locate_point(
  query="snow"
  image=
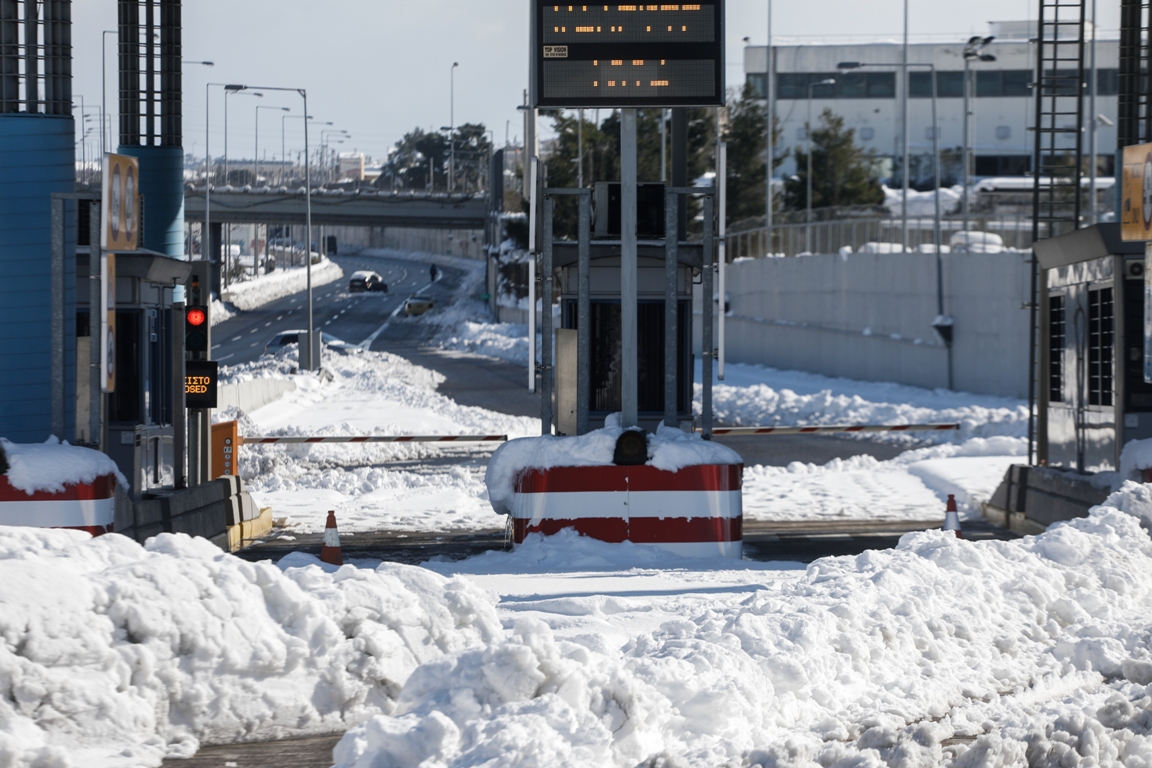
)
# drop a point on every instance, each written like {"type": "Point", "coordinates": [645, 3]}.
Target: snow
{"type": "Point", "coordinates": [940, 652]}
{"type": "Point", "coordinates": [48, 467]}
{"type": "Point", "coordinates": [753, 395]}
{"type": "Point", "coordinates": [923, 204]}
{"type": "Point", "coordinates": [255, 293]}
{"type": "Point", "coordinates": [372, 393]}
{"type": "Point", "coordinates": [670, 449]}
{"type": "Point", "coordinates": [116, 654]}
{"type": "Point", "coordinates": [1136, 455]}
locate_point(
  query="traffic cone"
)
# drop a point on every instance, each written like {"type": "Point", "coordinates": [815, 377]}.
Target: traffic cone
{"type": "Point", "coordinates": [952, 517]}
{"type": "Point", "coordinates": [330, 552]}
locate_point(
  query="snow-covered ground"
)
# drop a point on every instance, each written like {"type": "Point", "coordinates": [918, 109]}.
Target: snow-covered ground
{"type": "Point", "coordinates": [938, 653]}
{"type": "Point", "coordinates": [569, 652]}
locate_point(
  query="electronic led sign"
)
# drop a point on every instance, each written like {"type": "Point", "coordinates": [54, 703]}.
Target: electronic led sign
{"type": "Point", "coordinates": [649, 55]}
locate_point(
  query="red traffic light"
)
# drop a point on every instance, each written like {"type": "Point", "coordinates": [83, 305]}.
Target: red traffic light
{"type": "Point", "coordinates": [196, 317]}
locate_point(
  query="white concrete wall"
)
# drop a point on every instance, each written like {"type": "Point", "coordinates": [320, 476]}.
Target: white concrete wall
{"type": "Point", "coordinates": [468, 243]}
{"type": "Point", "coordinates": [869, 316]}
{"type": "Point", "coordinates": [253, 394]}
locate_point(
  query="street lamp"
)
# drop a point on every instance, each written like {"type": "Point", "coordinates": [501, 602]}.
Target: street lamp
{"type": "Point", "coordinates": [258, 108]}
{"type": "Point", "coordinates": [283, 145]}
{"type": "Point", "coordinates": [452, 129]}
{"type": "Point", "coordinates": [228, 91]}
{"type": "Point", "coordinates": [808, 150]}
{"type": "Point", "coordinates": [324, 152]}
{"type": "Point", "coordinates": [307, 213]}
{"type": "Point", "coordinates": [973, 51]}
{"type": "Point", "coordinates": [935, 145]}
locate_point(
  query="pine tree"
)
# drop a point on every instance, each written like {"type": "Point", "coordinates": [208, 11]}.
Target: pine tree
{"type": "Point", "coordinates": [842, 172]}
{"type": "Point", "coordinates": [746, 156]}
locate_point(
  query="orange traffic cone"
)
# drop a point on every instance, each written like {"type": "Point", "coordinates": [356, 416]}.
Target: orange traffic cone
{"type": "Point", "coordinates": [952, 517]}
{"type": "Point", "coordinates": [330, 552]}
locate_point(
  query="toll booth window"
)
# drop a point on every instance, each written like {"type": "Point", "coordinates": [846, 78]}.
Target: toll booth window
{"type": "Point", "coordinates": [1056, 349]}
{"type": "Point", "coordinates": [1100, 345]}
{"type": "Point", "coordinates": [125, 404]}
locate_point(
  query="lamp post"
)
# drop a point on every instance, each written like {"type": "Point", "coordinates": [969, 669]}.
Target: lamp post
{"type": "Point", "coordinates": [307, 212]}
{"type": "Point", "coordinates": [973, 51]}
{"type": "Point", "coordinates": [770, 109]}
{"type": "Point", "coordinates": [808, 150]}
{"type": "Point", "coordinates": [452, 128]}
{"type": "Point", "coordinates": [283, 145]}
{"type": "Point", "coordinates": [324, 149]}
{"type": "Point", "coordinates": [228, 93]}
{"type": "Point", "coordinates": [935, 144]}
{"type": "Point", "coordinates": [104, 83]}
{"type": "Point", "coordinates": [258, 108]}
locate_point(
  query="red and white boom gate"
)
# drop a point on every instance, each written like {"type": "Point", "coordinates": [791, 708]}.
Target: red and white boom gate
{"type": "Point", "coordinates": [835, 429]}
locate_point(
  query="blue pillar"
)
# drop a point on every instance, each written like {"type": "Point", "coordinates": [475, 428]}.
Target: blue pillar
{"type": "Point", "coordinates": [162, 185]}
{"type": "Point", "coordinates": [37, 160]}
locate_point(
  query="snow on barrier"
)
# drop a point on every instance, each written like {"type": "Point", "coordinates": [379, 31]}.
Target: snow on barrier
{"type": "Point", "coordinates": [377, 439]}
{"type": "Point", "coordinates": [695, 511]}
{"type": "Point", "coordinates": [835, 428]}
{"type": "Point", "coordinates": [671, 490]}
{"type": "Point", "coordinates": [54, 485]}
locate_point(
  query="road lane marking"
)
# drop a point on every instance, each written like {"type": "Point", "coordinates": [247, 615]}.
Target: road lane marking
{"type": "Point", "coordinates": [367, 343]}
{"type": "Point", "coordinates": [237, 338]}
{"type": "Point", "coordinates": [226, 357]}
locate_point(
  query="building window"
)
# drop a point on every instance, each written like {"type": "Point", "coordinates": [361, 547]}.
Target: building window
{"type": "Point", "coordinates": [949, 85]}
{"type": "Point", "coordinates": [1056, 349]}
{"type": "Point", "coordinates": [1004, 82]}
{"type": "Point", "coordinates": [848, 85]}
{"type": "Point", "coordinates": [1100, 343]}
{"type": "Point", "coordinates": [1003, 165]}
{"type": "Point", "coordinates": [757, 82]}
{"type": "Point", "coordinates": [867, 134]}
{"type": "Point", "coordinates": [1003, 132]}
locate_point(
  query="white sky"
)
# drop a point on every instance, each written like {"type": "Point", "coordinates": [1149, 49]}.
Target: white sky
{"type": "Point", "coordinates": [378, 68]}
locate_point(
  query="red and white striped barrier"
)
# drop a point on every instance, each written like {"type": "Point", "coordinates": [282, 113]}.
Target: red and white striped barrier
{"type": "Point", "coordinates": [835, 428]}
{"type": "Point", "coordinates": [87, 507]}
{"type": "Point", "coordinates": [376, 439]}
{"type": "Point", "coordinates": [695, 512]}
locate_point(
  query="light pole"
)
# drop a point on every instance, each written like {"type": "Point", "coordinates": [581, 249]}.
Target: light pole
{"type": "Point", "coordinates": [935, 143]}
{"type": "Point", "coordinates": [770, 108]}
{"type": "Point", "coordinates": [258, 108]}
{"type": "Point", "coordinates": [452, 128]}
{"type": "Point", "coordinates": [283, 145]}
{"type": "Point", "coordinates": [307, 212]}
{"type": "Point", "coordinates": [904, 196]}
{"type": "Point", "coordinates": [228, 93]}
{"type": "Point", "coordinates": [324, 150]}
{"type": "Point", "coordinates": [104, 83]}
{"type": "Point", "coordinates": [808, 150]}
{"type": "Point", "coordinates": [973, 51]}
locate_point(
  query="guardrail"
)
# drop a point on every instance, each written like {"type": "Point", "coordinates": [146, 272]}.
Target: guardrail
{"type": "Point", "coordinates": [375, 439]}
{"type": "Point", "coordinates": [834, 429]}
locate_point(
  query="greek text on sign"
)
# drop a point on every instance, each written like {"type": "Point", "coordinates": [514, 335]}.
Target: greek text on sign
{"type": "Point", "coordinates": [555, 51]}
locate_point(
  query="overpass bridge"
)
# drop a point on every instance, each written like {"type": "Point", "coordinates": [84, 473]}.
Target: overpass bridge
{"type": "Point", "coordinates": [338, 208]}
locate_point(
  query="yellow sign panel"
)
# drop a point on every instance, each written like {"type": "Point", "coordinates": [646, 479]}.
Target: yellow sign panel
{"type": "Point", "coordinates": [1136, 204]}
{"type": "Point", "coordinates": [120, 204]}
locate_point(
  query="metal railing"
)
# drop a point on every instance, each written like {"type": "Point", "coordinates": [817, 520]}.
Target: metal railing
{"type": "Point", "coordinates": [831, 236]}
{"type": "Point", "coordinates": [36, 57]}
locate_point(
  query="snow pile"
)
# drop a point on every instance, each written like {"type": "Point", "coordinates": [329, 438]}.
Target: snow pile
{"type": "Point", "coordinates": [466, 326]}
{"type": "Point", "coordinates": [276, 285]}
{"type": "Point", "coordinates": [923, 204]}
{"type": "Point", "coordinates": [48, 467]}
{"type": "Point", "coordinates": [670, 449]}
{"type": "Point", "coordinates": [912, 486]}
{"type": "Point", "coordinates": [219, 312]}
{"type": "Point", "coordinates": [116, 655]}
{"type": "Point", "coordinates": [756, 396]}
{"type": "Point", "coordinates": [1136, 456]}
{"type": "Point", "coordinates": [940, 652]}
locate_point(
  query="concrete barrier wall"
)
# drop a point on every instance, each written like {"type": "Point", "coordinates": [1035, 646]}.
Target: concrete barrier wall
{"type": "Point", "coordinates": [869, 316]}
{"type": "Point", "coordinates": [468, 243]}
{"type": "Point", "coordinates": [248, 396]}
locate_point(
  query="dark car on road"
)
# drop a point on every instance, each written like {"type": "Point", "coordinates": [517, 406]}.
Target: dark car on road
{"type": "Point", "coordinates": [366, 280]}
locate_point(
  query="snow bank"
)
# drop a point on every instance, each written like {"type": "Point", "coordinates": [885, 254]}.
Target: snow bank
{"type": "Point", "coordinates": [283, 282]}
{"type": "Point", "coordinates": [113, 654]}
{"type": "Point", "coordinates": [923, 204]}
{"type": "Point", "coordinates": [670, 449]}
{"type": "Point", "coordinates": [48, 467]}
{"type": "Point", "coordinates": [755, 395]}
{"type": "Point", "coordinates": [940, 652]}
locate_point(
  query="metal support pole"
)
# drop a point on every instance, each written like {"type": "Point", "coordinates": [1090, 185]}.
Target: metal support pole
{"type": "Point", "coordinates": [769, 96]}
{"type": "Point", "coordinates": [533, 201]}
{"type": "Point", "coordinates": [721, 250]}
{"type": "Point", "coordinates": [629, 363]}
{"type": "Point", "coordinates": [905, 80]}
{"type": "Point", "coordinates": [59, 428]}
{"type": "Point", "coordinates": [708, 267]}
{"type": "Point", "coordinates": [546, 320]}
{"type": "Point", "coordinates": [312, 351]}
{"type": "Point", "coordinates": [584, 315]}
{"type": "Point", "coordinates": [671, 243]}
{"type": "Point", "coordinates": [31, 57]}
{"type": "Point", "coordinates": [967, 144]}
{"type": "Point", "coordinates": [95, 393]}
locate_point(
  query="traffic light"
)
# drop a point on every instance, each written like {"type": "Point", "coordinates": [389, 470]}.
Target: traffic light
{"type": "Point", "coordinates": [196, 330]}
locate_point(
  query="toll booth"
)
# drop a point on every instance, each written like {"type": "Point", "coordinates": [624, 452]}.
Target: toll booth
{"type": "Point", "coordinates": [1092, 397]}
{"type": "Point", "coordinates": [144, 412]}
{"type": "Point", "coordinates": [604, 396]}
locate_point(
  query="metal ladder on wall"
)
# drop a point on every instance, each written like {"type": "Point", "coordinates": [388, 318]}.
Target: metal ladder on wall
{"type": "Point", "coordinates": [1059, 150]}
